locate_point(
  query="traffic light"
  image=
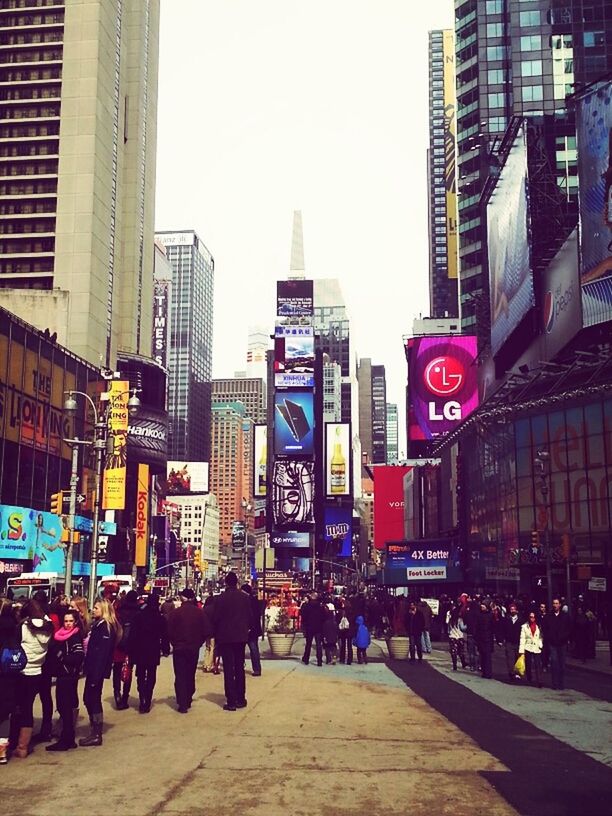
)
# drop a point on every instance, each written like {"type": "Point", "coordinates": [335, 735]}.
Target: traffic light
{"type": "Point", "coordinates": [57, 500]}
{"type": "Point", "coordinates": [535, 538]}
{"type": "Point", "coordinates": [197, 562]}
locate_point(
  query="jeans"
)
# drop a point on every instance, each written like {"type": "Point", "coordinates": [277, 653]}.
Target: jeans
{"type": "Point", "coordinates": [362, 655]}
{"type": "Point", "coordinates": [415, 644]}
{"type": "Point", "coordinates": [234, 679]}
{"type": "Point", "coordinates": [25, 693]}
{"type": "Point", "coordinates": [145, 680]}
{"type": "Point", "coordinates": [457, 650]}
{"type": "Point", "coordinates": [426, 642]}
{"type": "Point", "coordinates": [185, 664]}
{"type": "Point", "coordinates": [331, 652]}
{"type": "Point", "coordinates": [533, 666]}
{"type": "Point", "coordinates": [318, 638]}
{"type": "Point", "coordinates": [486, 663]}
{"type": "Point", "coordinates": [209, 655]}
{"type": "Point", "coordinates": [557, 666]}
{"type": "Point", "coordinates": [255, 658]}
{"type": "Point", "coordinates": [92, 697]}
{"type": "Point", "coordinates": [46, 700]}
{"type": "Point", "coordinates": [472, 653]}
{"type": "Point", "coordinates": [511, 650]}
{"type": "Point", "coordinates": [67, 700]}
{"type": "Point", "coordinates": [346, 649]}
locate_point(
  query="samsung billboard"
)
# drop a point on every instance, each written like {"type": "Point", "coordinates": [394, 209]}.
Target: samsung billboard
{"type": "Point", "coordinates": [510, 274]}
{"type": "Point", "coordinates": [294, 422]}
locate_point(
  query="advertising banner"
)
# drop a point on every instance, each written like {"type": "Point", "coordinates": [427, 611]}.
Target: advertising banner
{"type": "Point", "coordinates": [292, 492]}
{"type": "Point", "coordinates": [260, 465]}
{"type": "Point", "coordinates": [294, 298]}
{"type": "Point", "coordinates": [289, 538]}
{"type": "Point", "coordinates": [33, 535]}
{"type": "Point", "coordinates": [338, 529]}
{"type": "Point", "coordinates": [115, 466]}
{"type": "Point", "coordinates": [187, 477]}
{"type": "Point", "coordinates": [294, 422]}
{"type": "Point", "coordinates": [161, 323]}
{"type": "Point", "coordinates": [147, 439]}
{"type": "Point", "coordinates": [294, 356]}
{"type": "Point", "coordinates": [337, 459]}
{"type": "Point", "coordinates": [426, 553]}
{"type": "Point", "coordinates": [450, 137]}
{"type": "Point", "coordinates": [594, 134]}
{"type": "Point", "coordinates": [388, 504]}
{"type": "Point", "coordinates": [510, 274]}
{"type": "Point", "coordinates": [442, 384]}
{"type": "Point", "coordinates": [142, 516]}
{"type": "Point", "coordinates": [561, 310]}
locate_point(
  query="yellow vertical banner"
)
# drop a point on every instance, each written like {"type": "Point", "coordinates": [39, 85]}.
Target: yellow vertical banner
{"type": "Point", "coordinates": [450, 148]}
{"type": "Point", "coordinates": [115, 466]}
{"type": "Point", "coordinates": [142, 516]}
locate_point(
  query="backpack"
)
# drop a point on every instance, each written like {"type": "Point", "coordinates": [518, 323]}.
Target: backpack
{"type": "Point", "coordinates": [344, 623]}
{"type": "Point", "coordinates": [13, 659]}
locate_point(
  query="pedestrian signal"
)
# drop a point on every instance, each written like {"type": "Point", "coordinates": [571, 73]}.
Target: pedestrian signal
{"type": "Point", "coordinates": [535, 538]}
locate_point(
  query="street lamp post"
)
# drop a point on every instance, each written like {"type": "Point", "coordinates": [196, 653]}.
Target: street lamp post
{"type": "Point", "coordinates": [541, 462]}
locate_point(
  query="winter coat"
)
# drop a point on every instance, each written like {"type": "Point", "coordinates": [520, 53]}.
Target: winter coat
{"type": "Point", "coordinates": [425, 609]}
{"type": "Point", "coordinates": [126, 613]}
{"type": "Point", "coordinates": [188, 627]}
{"type": "Point", "coordinates": [99, 658]}
{"type": "Point", "coordinates": [511, 630]}
{"type": "Point", "coordinates": [313, 617]}
{"type": "Point", "coordinates": [65, 657]}
{"type": "Point", "coordinates": [9, 639]}
{"type": "Point", "coordinates": [35, 636]}
{"type": "Point", "coordinates": [362, 638]}
{"type": "Point", "coordinates": [148, 637]}
{"type": "Point", "coordinates": [530, 642]}
{"type": "Point", "coordinates": [556, 629]}
{"type": "Point", "coordinates": [484, 631]}
{"type": "Point", "coordinates": [415, 624]}
{"type": "Point", "coordinates": [233, 616]}
{"type": "Point", "coordinates": [330, 631]}
{"type": "Point", "coordinates": [470, 618]}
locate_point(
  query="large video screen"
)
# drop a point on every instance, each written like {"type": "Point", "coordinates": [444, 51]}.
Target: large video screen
{"type": "Point", "coordinates": [442, 384]}
{"type": "Point", "coordinates": [294, 298]}
{"type": "Point", "coordinates": [293, 422]}
{"type": "Point", "coordinates": [294, 356]}
{"type": "Point", "coordinates": [594, 130]}
{"type": "Point", "coordinates": [338, 528]}
{"type": "Point", "coordinates": [292, 492]}
{"type": "Point", "coordinates": [187, 477]}
{"type": "Point", "coordinates": [510, 275]}
{"type": "Point", "coordinates": [337, 459]}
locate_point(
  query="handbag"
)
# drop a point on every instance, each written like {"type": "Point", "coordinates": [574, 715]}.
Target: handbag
{"type": "Point", "coordinates": [519, 666]}
{"type": "Point", "coordinates": [126, 670]}
{"type": "Point", "coordinates": [13, 660]}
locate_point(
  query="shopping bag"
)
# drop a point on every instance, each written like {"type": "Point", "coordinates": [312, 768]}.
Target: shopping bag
{"type": "Point", "coordinates": [519, 666]}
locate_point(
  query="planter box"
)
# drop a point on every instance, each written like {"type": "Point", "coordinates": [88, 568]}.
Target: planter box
{"type": "Point", "coordinates": [281, 643]}
{"type": "Point", "coordinates": [399, 647]}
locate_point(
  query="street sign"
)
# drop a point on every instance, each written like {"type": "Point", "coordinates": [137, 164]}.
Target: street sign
{"type": "Point", "coordinates": [83, 525]}
{"type": "Point", "coordinates": [107, 528]}
{"type": "Point", "coordinates": [598, 584]}
{"type": "Point", "coordinates": [81, 498]}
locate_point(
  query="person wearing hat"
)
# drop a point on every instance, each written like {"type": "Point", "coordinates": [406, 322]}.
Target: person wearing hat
{"type": "Point", "coordinates": [233, 620]}
{"type": "Point", "coordinates": [188, 628]}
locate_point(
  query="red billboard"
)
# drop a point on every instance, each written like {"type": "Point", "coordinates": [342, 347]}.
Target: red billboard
{"type": "Point", "coordinates": [388, 504]}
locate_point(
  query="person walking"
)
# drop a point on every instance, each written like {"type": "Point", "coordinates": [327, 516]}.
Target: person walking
{"type": "Point", "coordinates": [541, 614]}
{"type": "Point", "coordinates": [313, 615]}
{"type": "Point", "coordinates": [105, 632]}
{"type": "Point", "coordinates": [209, 662]}
{"type": "Point", "coordinates": [9, 639]}
{"type": "Point", "coordinates": [345, 635]}
{"type": "Point", "coordinates": [530, 645]}
{"type": "Point", "coordinates": [470, 617]}
{"type": "Point", "coordinates": [36, 631]}
{"type": "Point", "coordinates": [415, 625]}
{"type": "Point", "coordinates": [427, 613]}
{"type": "Point", "coordinates": [361, 639]}
{"type": "Point", "coordinates": [187, 630]}
{"type": "Point", "coordinates": [255, 631]}
{"type": "Point", "coordinates": [148, 639]}
{"type": "Point", "coordinates": [45, 681]}
{"type": "Point", "coordinates": [330, 637]}
{"type": "Point", "coordinates": [556, 632]}
{"type": "Point", "coordinates": [65, 658]}
{"type": "Point", "coordinates": [233, 615]}
{"type": "Point", "coordinates": [485, 638]}
{"type": "Point", "coordinates": [510, 630]}
{"type": "Point", "coordinates": [126, 610]}
{"type": "Point", "coordinates": [456, 637]}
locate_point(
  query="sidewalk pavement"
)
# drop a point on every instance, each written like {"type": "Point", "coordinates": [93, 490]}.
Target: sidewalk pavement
{"type": "Point", "coordinates": [313, 741]}
{"type": "Point", "coordinates": [600, 663]}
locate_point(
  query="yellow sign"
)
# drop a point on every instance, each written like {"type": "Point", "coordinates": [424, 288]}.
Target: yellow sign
{"type": "Point", "coordinates": [115, 467]}
{"type": "Point", "coordinates": [450, 147]}
{"type": "Point", "coordinates": [142, 516]}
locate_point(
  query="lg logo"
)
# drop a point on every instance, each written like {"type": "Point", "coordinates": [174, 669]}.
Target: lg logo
{"type": "Point", "coordinates": [444, 376]}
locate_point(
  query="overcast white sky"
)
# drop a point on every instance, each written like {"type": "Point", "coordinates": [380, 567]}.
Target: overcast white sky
{"type": "Point", "coordinates": [267, 106]}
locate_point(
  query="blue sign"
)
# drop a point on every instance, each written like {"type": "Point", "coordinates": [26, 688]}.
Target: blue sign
{"type": "Point", "coordinates": [289, 538]}
{"type": "Point", "coordinates": [294, 422]}
{"type": "Point", "coordinates": [338, 528]}
{"type": "Point", "coordinates": [84, 568]}
{"type": "Point", "coordinates": [425, 553]}
{"type": "Point", "coordinates": [33, 535]}
{"type": "Point", "coordinates": [83, 525]}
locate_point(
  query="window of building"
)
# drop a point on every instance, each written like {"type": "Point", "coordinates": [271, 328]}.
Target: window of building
{"type": "Point", "coordinates": [559, 41]}
{"type": "Point", "coordinates": [495, 30]}
{"type": "Point", "coordinates": [531, 42]}
{"type": "Point", "coordinates": [496, 52]}
{"type": "Point", "coordinates": [494, 6]}
{"type": "Point", "coordinates": [531, 68]}
{"type": "Point", "coordinates": [592, 39]}
{"type": "Point", "coordinates": [532, 93]}
{"type": "Point", "coordinates": [529, 18]}
{"type": "Point", "coordinates": [496, 100]}
{"type": "Point", "coordinates": [495, 76]}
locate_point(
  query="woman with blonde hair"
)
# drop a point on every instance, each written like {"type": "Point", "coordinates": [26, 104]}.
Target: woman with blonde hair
{"type": "Point", "coordinates": [105, 632]}
{"type": "Point", "coordinates": [79, 604]}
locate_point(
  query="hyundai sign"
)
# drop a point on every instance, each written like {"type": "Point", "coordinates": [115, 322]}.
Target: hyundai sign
{"type": "Point", "coordinates": [442, 383]}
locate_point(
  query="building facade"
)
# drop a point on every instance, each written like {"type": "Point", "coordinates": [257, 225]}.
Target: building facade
{"type": "Point", "coordinates": [227, 465]}
{"type": "Point", "coordinates": [250, 391]}
{"type": "Point", "coordinates": [442, 183]}
{"type": "Point", "coordinates": [199, 530]}
{"type": "Point", "coordinates": [392, 434]}
{"type": "Point", "coordinates": [190, 353]}
{"type": "Point", "coordinates": [78, 106]}
{"type": "Point", "coordinates": [372, 411]}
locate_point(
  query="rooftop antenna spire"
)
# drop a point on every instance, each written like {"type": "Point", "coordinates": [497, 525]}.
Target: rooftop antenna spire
{"type": "Point", "coordinates": [296, 266]}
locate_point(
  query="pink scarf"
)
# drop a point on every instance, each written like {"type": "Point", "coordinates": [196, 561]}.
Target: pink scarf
{"type": "Point", "coordinates": [63, 633]}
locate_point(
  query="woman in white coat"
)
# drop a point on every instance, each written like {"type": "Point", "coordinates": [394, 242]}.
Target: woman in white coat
{"type": "Point", "coordinates": [531, 646]}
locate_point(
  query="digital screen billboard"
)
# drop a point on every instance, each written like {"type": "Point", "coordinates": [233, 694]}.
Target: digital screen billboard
{"type": "Point", "coordinates": [260, 465]}
{"type": "Point", "coordinates": [510, 274]}
{"type": "Point", "coordinates": [294, 356]}
{"type": "Point", "coordinates": [289, 538]}
{"type": "Point", "coordinates": [442, 384]}
{"type": "Point", "coordinates": [187, 477]}
{"type": "Point", "coordinates": [292, 492]}
{"type": "Point", "coordinates": [337, 459]}
{"type": "Point", "coordinates": [293, 422]}
{"type": "Point", "coordinates": [594, 133]}
{"type": "Point", "coordinates": [294, 298]}
{"type": "Point", "coordinates": [388, 503]}
{"type": "Point", "coordinates": [338, 529]}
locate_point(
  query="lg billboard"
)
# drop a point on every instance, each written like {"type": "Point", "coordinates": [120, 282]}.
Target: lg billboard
{"type": "Point", "coordinates": [442, 384]}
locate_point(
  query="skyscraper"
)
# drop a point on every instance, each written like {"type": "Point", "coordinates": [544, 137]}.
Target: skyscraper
{"type": "Point", "coordinates": [372, 411]}
{"type": "Point", "coordinates": [250, 391]}
{"type": "Point", "coordinates": [392, 434]}
{"type": "Point", "coordinates": [78, 109]}
{"type": "Point", "coordinates": [443, 257]}
{"type": "Point", "coordinates": [517, 58]}
{"type": "Point", "coordinates": [190, 356]}
{"type": "Point", "coordinates": [227, 465]}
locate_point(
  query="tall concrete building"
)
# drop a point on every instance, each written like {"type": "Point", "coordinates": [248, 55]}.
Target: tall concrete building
{"type": "Point", "coordinates": [332, 391]}
{"type": "Point", "coordinates": [200, 530]}
{"type": "Point", "coordinates": [227, 465]}
{"type": "Point", "coordinates": [250, 391]}
{"type": "Point", "coordinates": [372, 411]}
{"type": "Point", "coordinates": [443, 255]}
{"type": "Point", "coordinates": [516, 58]}
{"type": "Point", "coordinates": [392, 434]}
{"type": "Point", "coordinates": [78, 111]}
{"type": "Point", "coordinates": [257, 361]}
{"type": "Point", "coordinates": [190, 353]}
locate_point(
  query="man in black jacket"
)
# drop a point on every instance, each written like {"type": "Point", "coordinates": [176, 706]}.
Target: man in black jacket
{"type": "Point", "coordinates": [232, 620]}
{"type": "Point", "coordinates": [485, 637]}
{"type": "Point", "coordinates": [511, 631]}
{"type": "Point", "coordinates": [556, 632]}
{"type": "Point", "coordinates": [255, 631]}
{"type": "Point", "coordinates": [187, 630]}
{"type": "Point", "coordinates": [415, 625]}
{"type": "Point", "coordinates": [313, 616]}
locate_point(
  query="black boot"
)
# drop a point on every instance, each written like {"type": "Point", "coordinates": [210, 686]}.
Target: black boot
{"type": "Point", "coordinates": [95, 736]}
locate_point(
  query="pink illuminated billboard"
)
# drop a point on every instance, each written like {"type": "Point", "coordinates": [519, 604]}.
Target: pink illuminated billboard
{"type": "Point", "coordinates": [388, 503]}
{"type": "Point", "coordinates": [442, 384]}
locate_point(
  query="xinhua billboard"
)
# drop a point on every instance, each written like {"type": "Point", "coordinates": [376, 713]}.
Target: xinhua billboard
{"type": "Point", "coordinates": [442, 384]}
{"type": "Point", "coordinates": [594, 130]}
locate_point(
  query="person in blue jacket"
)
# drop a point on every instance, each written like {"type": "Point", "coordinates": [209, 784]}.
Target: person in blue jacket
{"type": "Point", "coordinates": [361, 640]}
